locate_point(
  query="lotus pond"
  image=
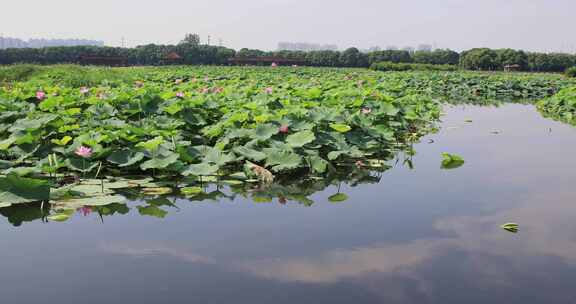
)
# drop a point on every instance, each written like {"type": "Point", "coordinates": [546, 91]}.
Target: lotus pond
{"type": "Point", "coordinates": [259, 185]}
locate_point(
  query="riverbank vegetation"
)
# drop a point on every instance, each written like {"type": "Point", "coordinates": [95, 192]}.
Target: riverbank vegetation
{"type": "Point", "coordinates": [192, 53]}
{"type": "Point", "coordinates": [81, 135]}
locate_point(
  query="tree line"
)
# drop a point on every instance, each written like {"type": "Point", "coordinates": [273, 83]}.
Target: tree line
{"type": "Point", "coordinates": [191, 52]}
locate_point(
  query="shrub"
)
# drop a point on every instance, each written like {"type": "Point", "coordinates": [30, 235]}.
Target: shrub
{"type": "Point", "coordinates": [391, 66]}
{"type": "Point", "coordinates": [571, 72]}
{"type": "Point", "coordinates": [19, 72]}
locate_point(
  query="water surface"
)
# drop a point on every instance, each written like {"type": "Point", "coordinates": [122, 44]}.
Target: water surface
{"type": "Point", "coordinates": [418, 236]}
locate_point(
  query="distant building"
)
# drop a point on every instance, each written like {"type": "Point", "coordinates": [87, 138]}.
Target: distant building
{"type": "Point", "coordinates": [512, 68]}
{"type": "Point", "coordinates": [7, 42]}
{"type": "Point", "coordinates": [306, 47]}
{"type": "Point", "coordinates": [373, 49]}
{"type": "Point", "coordinates": [424, 48]}
{"type": "Point", "coordinates": [274, 61]}
{"type": "Point", "coordinates": [409, 49]}
{"type": "Point", "coordinates": [172, 58]}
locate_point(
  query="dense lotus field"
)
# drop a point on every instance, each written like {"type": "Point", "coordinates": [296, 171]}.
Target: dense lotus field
{"type": "Point", "coordinates": [75, 136]}
{"type": "Point", "coordinates": [194, 124]}
{"type": "Point", "coordinates": [561, 106]}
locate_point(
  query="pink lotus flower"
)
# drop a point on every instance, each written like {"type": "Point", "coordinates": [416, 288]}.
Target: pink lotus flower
{"type": "Point", "coordinates": [366, 110]}
{"type": "Point", "coordinates": [138, 83]}
{"type": "Point", "coordinates": [268, 90]}
{"type": "Point", "coordinates": [204, 90]}
{"type": "Point", "coordinates": [294, 65]}
{"type": "Point", "coordinates": [84, 90]}
{"type": "Point", "coordinates": [102, 95]}
{"type": "Point", "coordinates": [85, 211]}
{"type": "Point", "coordinates": [40, 95]}
{"type": "Point", "coordinates": [178, 81]}
{"type": "Point", "coordinates": [206, 79]}
{"type": "Point", "coordinates": [274, 64]}
{"type": "Point", "coordinates": [283, 129]}
{"type": "Point", "coordinates": [180, 95]}
{"type": "Point", "coordinates": [83, 151]}
{"type": "Point", "coordinates": [359, 164]}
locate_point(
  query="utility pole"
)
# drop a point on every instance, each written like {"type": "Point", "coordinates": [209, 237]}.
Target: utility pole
{"type": "Point", "coordinates": [123, 42]}
{"type": "Point", "coordinates": [208, 39]}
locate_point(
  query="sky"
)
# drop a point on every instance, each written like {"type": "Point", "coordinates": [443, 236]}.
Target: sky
{"type": "Point", "coordinates": [536, 25]}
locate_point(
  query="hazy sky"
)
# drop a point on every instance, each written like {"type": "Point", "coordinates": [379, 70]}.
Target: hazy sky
{"type": "Point", "coordinates": [546, 25]}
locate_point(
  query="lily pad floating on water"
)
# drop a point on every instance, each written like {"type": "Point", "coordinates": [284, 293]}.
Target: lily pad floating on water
{"type": "Point", "coordinates": [89, 201]}
{"type": "Point", "coordinates": [191, 191]}
{"type": "Point", "coordinates": [451, 161]}
{"type": "Point", "coordinates": [157, 190]}
{"type": "Point", "coordinates": [152, 210]}
{"type": "Point", "coordinates": [511, 227]}
{"type": "Point", "coordinates": [61, 216]}
{"type": "Point", "coordinates": [338, 197]}
{"type": "Point", "coordinates": [16, 190]}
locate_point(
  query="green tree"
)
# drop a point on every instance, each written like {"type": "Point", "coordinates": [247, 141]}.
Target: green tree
{"type": "Point", "coordinates": [192, 39]}
{"type": "Point", "coordinates": [352, 57]}
{"type": "Point", "coordinates": [511, 57]}
{"type": "Point", "coordinates": [479, 59]}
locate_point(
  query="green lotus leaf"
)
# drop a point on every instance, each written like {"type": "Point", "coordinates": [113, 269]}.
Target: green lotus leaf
{"type": "Point", "coordinates": [250, 153]}
{"type": "Point", "coordinates": [342, 128]}
{"type": "Point", "coordinates": [283, 160]}
{"type": "Point", "coordinates": [89, 201]}
{"type": "Point", "coordinates": [152, 211]}
{"type": "Point", "coordinates": [300, 139]}
{"type": "Point", "coordinates": [337, 198]}
{"type": "Point", "coordinates": [160, 161]}
{"type": "Point", "coordinates": [216, 157]}
{"type": "Point", "coordinates": [153, 144]}
{"type": "Point", "coordinates": [62, 142]}
{"type": "Point", "coordinates": [265, 131]}
{"type": "Point", "coordinates": [81, 165]}
{"type": "Point", "coordinates": [201, 169]}
{"type": "Point", "coordinates": [125, 157]}
{"type": "Point", "coordinates": [318, 164]}
{"type": "Point", "coordinates": [451, 161]}
{"type": "Point", "coordinates": [15, 190]}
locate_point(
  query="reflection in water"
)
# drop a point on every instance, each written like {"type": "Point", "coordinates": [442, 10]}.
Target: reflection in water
{"type": "Point", "coordinates": [546, 232]}
{"type": "Point", "coordinates": [147, 249]}
{"type": "Point", "coordinates": [294, 188]}
{"type": "Point", "coordinates": [476, 245]}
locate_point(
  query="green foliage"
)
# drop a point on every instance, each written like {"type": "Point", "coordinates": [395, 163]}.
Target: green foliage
{"type": "Point", "coordinates": [313, 121]}
{"type": "Point", "coordinates": [337, 198]}
{"type": "Point", "coordinates": [17, 190]}
{"type": "Point", "coordinates": [451, 161]}
{"type": "Point", "coordinates": [390, 66]}
{"type": "Point", "coordinates": [479, 59]}
{"type": "Point", "coordinates": [510, 227]}
{"type": "Point", "coordinates": [437, 57]}
{"type": "Point", "coordinates": [395, 56]}
{"type": "Point", "coordinates": [561, 106]}
{"type": "Point", "coordinates": [193, 39]}
{"type": "Point", "coordinates": [571, 72]}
